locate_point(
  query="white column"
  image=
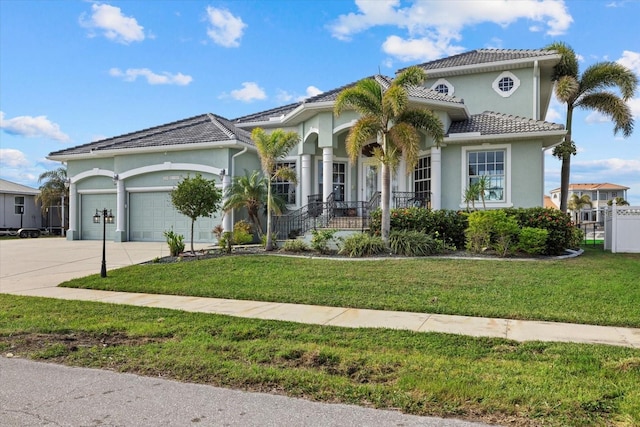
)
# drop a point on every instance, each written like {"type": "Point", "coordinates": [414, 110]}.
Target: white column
{"type": "Point", "coordinates": [72, 234]}
{"type": "Point", "coordinates": [305, 179]}
{"type": "Point", "coordinates": [436, 178]}
{"type": "Point", "coordinates": [227, 221]}
{"type": "Point", "coordinates": [62, 231]}
{"type": "Point", "coordinates": [121, 232]}
{"type": "Point", "coordinates": [327, 172]}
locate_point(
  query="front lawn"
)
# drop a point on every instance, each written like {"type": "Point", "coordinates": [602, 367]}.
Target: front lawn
{"type": "Point", "coordinates": [493, 380]}
{"type": "Point", "coordinates": [595, 288]}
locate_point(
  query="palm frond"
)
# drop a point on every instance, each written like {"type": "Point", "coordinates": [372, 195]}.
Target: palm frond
{"type": "Point", "coordinates": [568, 65]}
{"type": "Point", "coordinates": [412, 76]}
{"type": "Point", "coordinates": [604, 75]}
{"type": "Point", "coordinates": [405, 138]}
{"type": "Point", "coordinates": [362, 133]}
{"type": "Point", "coordinates": [424, 120]}
{"type": "Point", "coordinates": [612, 106]}
{"type": "Point", "coordinates": [364, 97]}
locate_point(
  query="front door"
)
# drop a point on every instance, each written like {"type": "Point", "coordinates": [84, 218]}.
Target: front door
{"type": "Point", "coordinates": [370, 178]}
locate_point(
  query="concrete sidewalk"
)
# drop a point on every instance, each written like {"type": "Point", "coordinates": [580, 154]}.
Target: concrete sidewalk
{"type": "Point", "coordinates": [34, 267]}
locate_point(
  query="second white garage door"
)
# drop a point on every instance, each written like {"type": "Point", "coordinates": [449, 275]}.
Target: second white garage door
{"type": "Point", "coordinates": [151, 214]}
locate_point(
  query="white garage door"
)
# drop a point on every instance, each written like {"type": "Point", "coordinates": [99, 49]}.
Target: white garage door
{"type": "Point", "coordinates": [89, 204]}
{"type": "Point", "coordinates": [151, 214]}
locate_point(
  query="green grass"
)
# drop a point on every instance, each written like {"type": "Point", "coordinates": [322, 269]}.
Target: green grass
{"type": "Point", "coordinates": [494, 380]}
{"type": "Point", "coordinates": [595, 288]}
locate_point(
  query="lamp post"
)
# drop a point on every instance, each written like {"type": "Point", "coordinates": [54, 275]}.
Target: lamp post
{"type": "Point", "coordinates": [107, 218]}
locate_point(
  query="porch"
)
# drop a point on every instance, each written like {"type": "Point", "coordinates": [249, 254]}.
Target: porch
{"type": "Point", "coordinates": [341, 215]}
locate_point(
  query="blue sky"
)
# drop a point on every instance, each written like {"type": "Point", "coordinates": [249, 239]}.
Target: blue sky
{"type": "Point", "coordinates": [72, 72]}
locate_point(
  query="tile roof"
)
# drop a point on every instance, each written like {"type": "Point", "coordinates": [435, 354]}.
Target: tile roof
{"type": "Point", "coordinates": [491, 123]}
{"type": "Point", "coordinates": [331, 95]}
{"type": "Point", "coordinates": [15, 188]}
{"type": "Point", "coordinates": [485, 56]}
{"type": "Point", "coordinates": [194, 130]}
{"type": "Point", "coordinates": [593, 187]}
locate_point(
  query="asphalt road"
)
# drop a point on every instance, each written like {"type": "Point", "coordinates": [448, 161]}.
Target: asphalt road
{"type": "Point", "coordinates": [42, 394]}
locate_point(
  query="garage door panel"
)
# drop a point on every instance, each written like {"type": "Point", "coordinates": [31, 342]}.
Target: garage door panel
{"type": "Point", "coordinates": [89, 204]}
{"type": "Point", "coordinates": [152, 213]}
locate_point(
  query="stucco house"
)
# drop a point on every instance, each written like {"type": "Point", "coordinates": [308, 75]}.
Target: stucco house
{"type": "Point", "coordinates": [491, 103]}
{"type": "Point", "coordinates": [18, 207]}
{"type": "Point", "coordinates": [599, 193]}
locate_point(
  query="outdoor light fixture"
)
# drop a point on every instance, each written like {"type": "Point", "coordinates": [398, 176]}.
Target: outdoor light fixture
{"type": "Point", "coordinates": [67, 183]}
{"type": "Point", "coordinates": [115, 178]}
{"type": "Point", "coordinates": [108, 218]}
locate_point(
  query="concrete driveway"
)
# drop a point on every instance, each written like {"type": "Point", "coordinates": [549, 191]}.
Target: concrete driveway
{"type": "Point", "coordinates": [27, 264]}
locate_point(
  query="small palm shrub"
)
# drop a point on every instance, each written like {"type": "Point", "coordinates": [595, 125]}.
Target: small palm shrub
{"type": "Point", "coordinates": [413, 243]}
{"type": "Point", "coordinates": [175, 242]}
{"type": "Point", "coordinates": [533, 240]}
{"type": "Point", "coordinates": [361, 245]}
{"type": "Point", "coordinates": [295, 245]}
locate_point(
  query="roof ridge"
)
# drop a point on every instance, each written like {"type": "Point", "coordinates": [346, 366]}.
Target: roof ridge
{"type": "Point", "coordinates": [213, 118]}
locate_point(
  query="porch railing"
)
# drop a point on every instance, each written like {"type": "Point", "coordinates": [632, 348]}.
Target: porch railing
{"type": "Point", "coordinates": [340, 214]}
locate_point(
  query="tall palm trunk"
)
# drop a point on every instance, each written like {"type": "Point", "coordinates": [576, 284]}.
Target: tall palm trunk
{"type": "Point", "coordinates": [386, 193]}
{"type": "Point", "coordinates": [269, 244]}
{"type": "Point", "coordinates": [565, 172]}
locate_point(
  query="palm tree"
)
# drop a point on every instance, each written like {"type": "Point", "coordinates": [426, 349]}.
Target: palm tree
{"type": "Point", "coordinates": [589, 91]}
{"type": "Point", "coordinates": [271, 148]}
{"type": "Point", "coordinates": [619, 202]}
{"type": "Point", "coordinates": [576, 203]}
{"type": "Point", "coordinates": [471, 194]}
{"type": "Point", "coordinates": [387, 117]}
{"type": "Point", "coordinates": [52, 190]}
{"type": "Point", "coordinates": [248, 192]}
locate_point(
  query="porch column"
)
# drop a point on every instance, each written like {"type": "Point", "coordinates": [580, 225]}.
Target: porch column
{"type": "Point", "coordinates": [327, 172]}
{"type": "Point", "coordinates": [305, 179]}
{"type": "Point", "coordinates": [436, 178]}
{"type": "Point", "coordinates": [121, 232]}
{"type": "Point", "coordinates": [227, 220]}
{"type": "Point", "coordinates": [72, 234]}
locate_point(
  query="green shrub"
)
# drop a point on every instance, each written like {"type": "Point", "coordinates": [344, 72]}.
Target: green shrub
{"type": "Point", "coordinates": [295, 245]}
{"type": "Point", "coordinates": [362, 244]}
{"type": "Point", "coordinates": [533, 240]}
{"type": "Point", "coordinates": [448, 225]}
{"type": "Point", "coordinates": [242, 233]}
{"type": "Point", "coordinates": [505, 233]}
{"type": "Point", "coordinates": [478, 233]}
{"type": "Point", "coordinates": [175, 242]}
{"type": "Point", "coordinates": [320, 240]}
{"type": "Point", "coordinates": [557, 223]}
{"type": "Point", "coordinates": [413, 243]}
{"type": "Point", "coordinates": [577, 237]}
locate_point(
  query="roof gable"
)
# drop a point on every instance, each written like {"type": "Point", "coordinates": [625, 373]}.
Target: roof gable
{"type": "Point", "coordinates": [205, 128]}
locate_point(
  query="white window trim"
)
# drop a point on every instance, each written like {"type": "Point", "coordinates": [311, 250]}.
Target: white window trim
{"type": "Point", "coordinates": [295, 160]}
{"type": "Point", "coordinates": [507, 174]}
{"type": "Point", "coordinates": [496, 82]}
{"type": "Point", "coordinates": [446, 83]}
{"type": "Point", "coordinates": [316, 178]}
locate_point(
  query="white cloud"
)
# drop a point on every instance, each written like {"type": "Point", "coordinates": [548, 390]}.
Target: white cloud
{"type": "Point", "coordinates": [33, 127]}
{"type": "Point", "coordinates": [284, 96]}
{"type": "Point", "coordinates": [631, 60]}
{"type": "Point", "coordinates": [12, 158]}
{"type": "Point", "coordinates": [113, 24]}
{"type": "Point", "coordinates": [226, 29]}
{"type": "Point", "coordinates": [434, 28]}
{"type": "Point", "coordinates": [250, 92]}
{"type": "Point", "coordinates": [165, 78]}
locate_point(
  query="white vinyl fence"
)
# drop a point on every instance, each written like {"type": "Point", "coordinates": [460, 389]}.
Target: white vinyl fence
{"type": "Point", "coordinates": [622, 229]}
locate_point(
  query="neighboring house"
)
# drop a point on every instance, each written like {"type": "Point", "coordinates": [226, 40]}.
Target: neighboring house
{"type": "Point", "coordinates": [600, 195]}
{"type": "Point", "coordinates": [490, 102]}
{"type": "Point", "coordinates": [18, 207]}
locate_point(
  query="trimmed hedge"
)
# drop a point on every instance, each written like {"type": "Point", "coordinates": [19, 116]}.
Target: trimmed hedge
{"type": "Point", "coordinates": [442, 224]}
{"type": "Point", "coordinates": [450, 225]}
